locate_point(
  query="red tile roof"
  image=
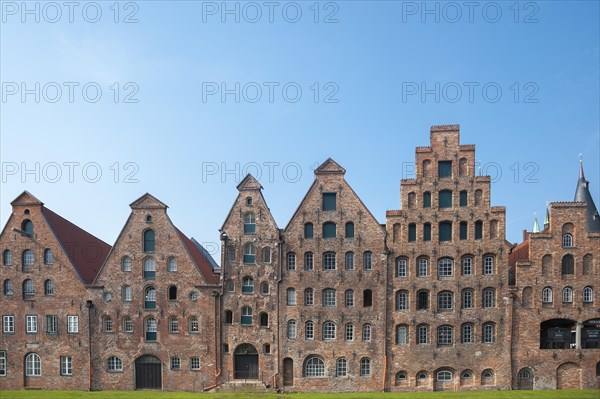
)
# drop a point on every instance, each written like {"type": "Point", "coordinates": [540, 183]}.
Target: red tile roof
{"type": "Point", "coordinates": [201, 263]}
{"type": "Point", "coordinates": [520, 252]}
{"type": "Point", "coordinates": [85, 251]}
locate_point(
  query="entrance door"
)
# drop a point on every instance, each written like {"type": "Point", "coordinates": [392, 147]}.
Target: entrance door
{"type": "Point", "coordinates": [525, 379]}
{"type": "Point", "coordinates": [245, 362]}
{"type": "Point", "coordinates": [148, 373]}
{"type": "Point", "coordinates": [288, 372]}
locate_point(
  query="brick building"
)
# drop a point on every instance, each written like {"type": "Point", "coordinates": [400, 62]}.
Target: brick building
{"type": "Point", "coordinates": [434, 299]}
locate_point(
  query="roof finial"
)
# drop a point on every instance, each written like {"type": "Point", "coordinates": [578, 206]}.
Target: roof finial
{"type": "Point", "coordinates": [581, 176]}
{"type": "Point", "coordinates": [547, 217]}
{"type": "Point", "coordinates": [536, 226]}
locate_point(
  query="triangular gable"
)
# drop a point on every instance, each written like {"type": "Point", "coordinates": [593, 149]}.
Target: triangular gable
{"type": "Point", "coordinates": [147, 201]}
{"type": "Point", "coordinates": [330, 167]}
{"type": "Point", "coordinates": [26, 198]}
{"type": "Point", "coordinates": [249, 183]}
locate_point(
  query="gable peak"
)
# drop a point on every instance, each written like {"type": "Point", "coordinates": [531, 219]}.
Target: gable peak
{"type": "Point", "coordinates": [330, 167]}
{"type": "Point", "coordinates": [148, 201]}
{"type": "Point", "coordinates": [25, 199]}
{"type": "Point", "coordinates": [249, 183]}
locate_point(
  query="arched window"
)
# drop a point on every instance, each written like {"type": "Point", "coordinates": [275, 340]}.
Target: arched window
{"type": "Point", "coordinates": [329, 230]}
{"type": "Point", "coordinates": [349, 298]}
{"type": "Point", "coordinates": [291, 329]}
{"type": "Point", "coordinates": [489, 298]}
{"type": "Point", "coordinates": [48, 259]}
{"type": "Point", "coordinates": [329, 330]}
{"type": "Point", "coordinates": [7, 258]}
{"type": "Point", "coordinates": [445, 267]}
{"type": "Point", "coordinates": [445, 335]}
{"type": "Point", "coordinates": [173, 293]}
{"type": "Point", "coordinates": [422, 378]}
{"type": "Point", "coordinates": [568, 264]}
{"type": "Point", "coordinates": [247, 285]}
{"type": "Point", "coordinates": [365, 367]}
{"type": "Point", "coordinates": [488, 265]}
{"type": "Point", "coordinates": [149, 241]}
{"type": "Point", "coordinates": [27, 227]}
{"type": "Point", "coordinates": [150, 329]}
{"type": "Point", "coordinates": [291, 296]}
{"type": "Point", "coordinates": [194, 325]}
{"type": "Point", "coordinates": [588, 295]}
{"type": "Point", "coordinates": [309, 297]}
{"type": "Point", "coordinates": [367, 298]}
{"type": "Point", "coordinates": [401, 378]}
{"type": "Point", "coordinates": [266, 255]}
{"type": "Point", "coordinates": [33, 365]}
{"type": "Point", "coordinates": [349, 335]}
{"type": "Point", "coordinates": [249, 223]}
{"type": "Point", "coordinates": [291, 261]}
{"type": "Point", "coordinates": [401, 267]}
{"type": "Point", "coordinates": [489, 333]}
{"type": "Point", "coordinates": [172, 264]}
{"type": "Point", "coordinates": [246, 316]}
{"type": "Point", "coordinates": [422, 267]}
{"type": "Point", "coordinates": [422, 334]}
{"type": "Point", "coordinates": [368, 260]}
{"type": "Point", "coordinates": [308, 261]}
{"type": "Point", "coordinates": [402, 300]}
{"type": "Point", "coordinates": [341, 367]}
{"type": "Point", "coordinates": [249, 253]}
{"type": "Point", "coordinates": [48, 287]}
{"type": "Point", "coordinates": [149, 267]}
{"type": "Point", "coordinates": [309, 330]}
{"type": "Point", "coordinates": [467, 298]}
{"type": "Point", "coordinates": [466, 333]}
{"type": "Point", "coordinates": [314, 367]}
{"type": "Point", "coordinates": [402, 334]}
{"type": "Point", "coordinates": [487, 377]}
{"type": "Point", "coordinates": [329, 261]}
{"type": "Point", "coordinates": [567, 295]}
{"type": "Point", "coordinates": [445, 301]}
{"type": "Point", "coordinates": [349, 230]}
{"type": "Point", "coordinates": [8, 287]}
{"type": "Point", "coordinates": [28, 289]}
{"type": "Point", "coordinates": [366, 332]}
{"type": "Point", "coordinates": [127, 324]}
{"type": "Point", "coordinates": [150, 298]}
{"type": "Point", "coordinates": [329, 297]}
{"type": "Point", "coordinates": [308, 230]}
{"type": "Point", "coordinates": [264, 319]}
{"type": "Point", "coordinates": [444, 375]}
{"type": "Point", "coordinates": [547, 295]}
{"type": "Point", "coordinates": [126, 293]}
{"type": "Point", "coordinates": [28, 257]}
{"type": "Point", "coordinates": [126, 264]}
{"type": "Point", "coordinates": [108, 324]}
{"type": "Point", "coordinates": [567, 240]}
{"type": "Point", "coordinates": [349, 260]}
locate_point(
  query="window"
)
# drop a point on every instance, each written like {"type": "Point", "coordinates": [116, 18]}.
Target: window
{"type": "Point", "coordinates": [249, 223]}
{"type": "Point", "coordinates": [568, 265]}
{"type": "Point", "coordinates": [127, 324]}
{"type": "Point", "coordinates": [467, 266]}
{"type": "Point", "coordinates": [402, 335]}
{"type": "Point", "coordinates": [422, 267]}
{"type": "Point", "coordinates": [73, 324]}
{"type": "Point", "coordinates": [264, 288]}
{"type": "Point", "coordinates": [426, 199]}
{"type": "Point", "coordinates": [149, 268]}
{"type": "Point", "coordinates": [445, 231]}
{"type": "Point", "coordinates": [587, 264]}
{"type": "Point", "coordinates": [194, 363]}
{"type": "Point", "coordinates": [422, 378]}
{"type": "Point", "coordinates": [423, 334]}
{"type": "Point", "coordinates": [445, 300]}
{"type": "Point", "coordinates": [309, 330]}
{"type": "Point", "coordinates": [349, 230]}
{"type": "Point", "coordinates": [225, 348]}
{"type": "Point", "coordinates": [329, 261]}
{"type": "Point", "coordinates": [308, 261]}
{"type": "Point", "coordinates": [149, 241]}
{"type": "Point", "coordinates": [3, 363]}
{"type": "Point", "coordinates": [267, 348]}
{"type": "Point", "coordinates": [172, 264]}
{"type": "Point", "coordinates": [401, 300]}
{"type": "Point", "coordinates": [309, 297]}
{"type": "Point", "coordinates": [230, 286]}
{"type": "Point", "coordinates": [463, 198]}
{"type": "Point", "coordinates": [488, 265]}
{"type": "Point", "coordinates": [115, 364]}
{"type": "Point", "coordinates": [401, 377]}
{"type": "Point", "coordinates": [248, 201]}
{"type": "Point", "coordinates": [588, 295]}
{"type": "Point", "coordinates": [445, 199]}
{"type": "Point", "coordinates": [329, 201]}
{"type": "Point", "coordinates": [7, 258]}
{"type": "Point", "coordinates": [422, 300]}
{"type": "Point", "coordinates": [150, 298]}
{"type": "Point", "coordinates": [8, 287]}
{"type": "Point", "coordinates": [349, 298]}
{"type": "Point", "coordinates": [478, 230]}
{"type": "Point", "coordinates": [266, 253]}
{"type": "Point", "coordinates": [329, 230]}
{"type": "Point", "coordinates": [33, 365]}
{"type": "Point", "coordinates": [401, 267]}
{"type": "Point", "coordinates": [149, 219]}
{"type": "Point", "coordinates": [291, 329]}
{"type": "Point", "coordinates": [126, 264]}
{"type": "Point", "coordinates": [308, 230]}
{"type": "Point", "coordinates": [467, 298]}
{"type": "Point", "coordinates": [246, 319]}
{"type": "Point", "coordinates": [51, 324]}
{"type": "Point", "coordinates": [291, 261]}
{"type": "Point", "coordinates": [329, 330]}
{"type": "Point", "coordinates": [368, 260]}
{"type": "Point", "coordinates": [329, 297]}
{"type": "Point", "coordinates": [231, 254]}
{"type": "Point", "coordinates": [28, 290]}
{"type": "Point", "coordinates": [445, 267]}
{"type": "Point", "coordinates": [349, 334]}
{"type": "Point", "coordinates": [28, 258]}
{"type": "Point", "coordinates": [489, 333]}
{"type": "Point", "coordinates": [367, 298]}
{"type": "Point", "coordinates": [341, 367]}
{"type": "Point", "coordinates": [412, 232]}
{"type": "Point", "coordinates": [264, 319]}
{"type": "Point", "coordinates": [445, 335]}
{"type": "Point", "coordinates": [547, 295]}
{"type": "Point", "coordinates": [478, 197]}
{"type": "Point", "coordinates": [567, 240]}
{"type": "Point", "coordinates": [291, 296]}
{"type": "Point", "coordinates": [487, 377]}
{"type": "Point", "coordinates": [444, 169]}
{"type": "Point", "coordinates": [31, 324]}
{"type": "Point", "coordinates": [151, 327]}
{"type": "Point", "coordinates": [48, 256]}
{"type": "Point", "coordinates": [464, 230]}
{"type": "Point", "coordinates": [194, 325]}
{"type": "Point", "coordinates": [247, 285]}
{"type": "Point", "coordinates": [466, 333]}
{"type": "Point", "coordinates": [567, 295]}
{"type": "Point", "coordinates": [108, 324]}
{"type": "Point", "coordinates": [365, 367]}
{"type": "Point", "coordinates": [249, 253]}
{"type": "Point", "coordinates": [8, 324]}
{"type": "Point", "coordinates": [228, 317]}
{"type": "Point", "coordinates": [175, 363]}
{"type": "Point", "coordinates": [126, 293]}
{"type": "Point", "coordinates": [48, 288]}
{"type": "Point", "coordinates": [349, 260]}
{"type": "Point", "coordinates": [366, 333]}
{"type": "Point", "coordinates": [173, 325]}
{"type": "Point", "coordinates": [489, 298]}
{"type": "Point", "coordinates": [314, 367]}
{"type": "Point", "coordinates": [27, 227]}
{"type": "Point", "coordinates": [427, 232]}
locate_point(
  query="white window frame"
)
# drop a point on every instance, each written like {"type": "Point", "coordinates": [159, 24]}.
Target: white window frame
{"type": "Point", "coordinates": [31, 324]}
{"type": "Point", "coordinates": [66, 365]}
{"type": "Point", "coordinates": [8, 324]}
{"type": "Point", "coordinates": [73, 324]}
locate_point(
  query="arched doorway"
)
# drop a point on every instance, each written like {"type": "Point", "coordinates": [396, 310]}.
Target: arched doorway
{"type": "Point", "coordinates": [525, 379]}
{"type": "Point", "coordinates": [568, 376]}
{"type": "Point", "coordinates": [245, 359]}
{"type": "Point", "coordinates": [288, 372]}
{"type": "Point", "coordinates": [148, 372]}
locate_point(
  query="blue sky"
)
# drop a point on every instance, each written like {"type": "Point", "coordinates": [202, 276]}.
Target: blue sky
{"type": "Point", "coordinates": [193, 94]}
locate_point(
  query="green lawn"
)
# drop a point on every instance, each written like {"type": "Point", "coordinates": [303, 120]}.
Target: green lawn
{"type": "Point", "coordinates": [588, 394]}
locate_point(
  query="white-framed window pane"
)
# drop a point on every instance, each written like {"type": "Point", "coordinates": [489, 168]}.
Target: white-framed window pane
{"type": "Point", "coordinates": [291, 329]}
{"type": "Point", "coordinates": [31, 324]}
{"type": "Point", "coordinates": [467, 266]}
{"type": "Point", "coordinates": [291, 296]}
{"type": "Point", "coordinates": [328, 330]}
{"type": "Point", "coordinates": [401, 335]}
{"type": "Point", "coordinates": [341, 369]}
{"type": "Point", "coordinates": [73, 324]}
{"type": "Point", "coordinates": [423, 268]}
{"type": "Point", "coordinates": [3, 363]}
{"type": "Point", "coordinates": [175, 363]}
{"type": "Point", "coordinates": [314, 367]}
{"type": "Point", "coordinates": [66, 365]}
{"type": "Point", "coordinates": [33, 365]}
{"type": "Point", "coordinates": [8, 324]}
{"type": "Point", "coordinates": [349, 336]}
{"type": "Point", "coordinates": [350, 261]}
{"type": "Point", "coordinates": [195, 363]}
{"type": "Point", "coordinates": [349, 298]}
{"type": "Point", "coordinates": [329, 297]}
{"type": "Point", "coordinates": [445, 267]}
{"type": "Point", "coordinates": [365, 367]}
{"type": "Point", "coordinates": [401, 268]}
{"type": "Point", "coordinates": [309, 330]}
{"type": "Point", "coordinates": [488, 265]}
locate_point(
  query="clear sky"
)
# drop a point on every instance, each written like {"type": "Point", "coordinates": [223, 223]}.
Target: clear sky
{"type": "Point", "coordinates": [103, 102]}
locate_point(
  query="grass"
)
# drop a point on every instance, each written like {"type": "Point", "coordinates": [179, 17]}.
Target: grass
{"type": "Point", "coordinates": [580, 394]}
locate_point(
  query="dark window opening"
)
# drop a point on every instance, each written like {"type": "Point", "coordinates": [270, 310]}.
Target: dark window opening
{"type": "Point", "coordinates": [463, 230]}
{"type": "Point", "coordinates": [463, 198]}
{"type": "Point", "coordinates": [172, 293]}
{"type": "Point", "coordinates": [329, 230]}
{"type": "Point", "coordinates": [149, 241]}
{"type": "Point", "coordinates": [445, 198]}
{"type": "Point", "coordinates": [444, 169]}
{"type": "Point", "coordinates": [308, 230]}
{"type": "Point", "coordinates": [426, 199]}
{"type": "Point", "coordinates": [349, 230]}
{"type": "Point", "coordinates": [478, 230]}
{"type": "Point", "coordinates": [427, 232]}
{"type": "Point", "coordinates": [422, 300]}
{"type": "Point", "coordinates": [329, 201]}
{"type": "Point", "coordinates": [445, 231]}
{"type": "Point", "coordinates": [367, 298]}
{"type": "Point", "coordinates": [412, 232]}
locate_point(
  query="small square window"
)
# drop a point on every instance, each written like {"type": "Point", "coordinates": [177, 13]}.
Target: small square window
{"type": "Point", "coordinates": [175, 363]}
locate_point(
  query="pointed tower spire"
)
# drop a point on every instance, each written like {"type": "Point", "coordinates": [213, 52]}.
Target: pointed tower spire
{"type": "Point", "coordinates": [582, 194]}
{"type": "Point", "coordinates": [536, 226]}
{"type": "Point", "coordinates": [547, 217]}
